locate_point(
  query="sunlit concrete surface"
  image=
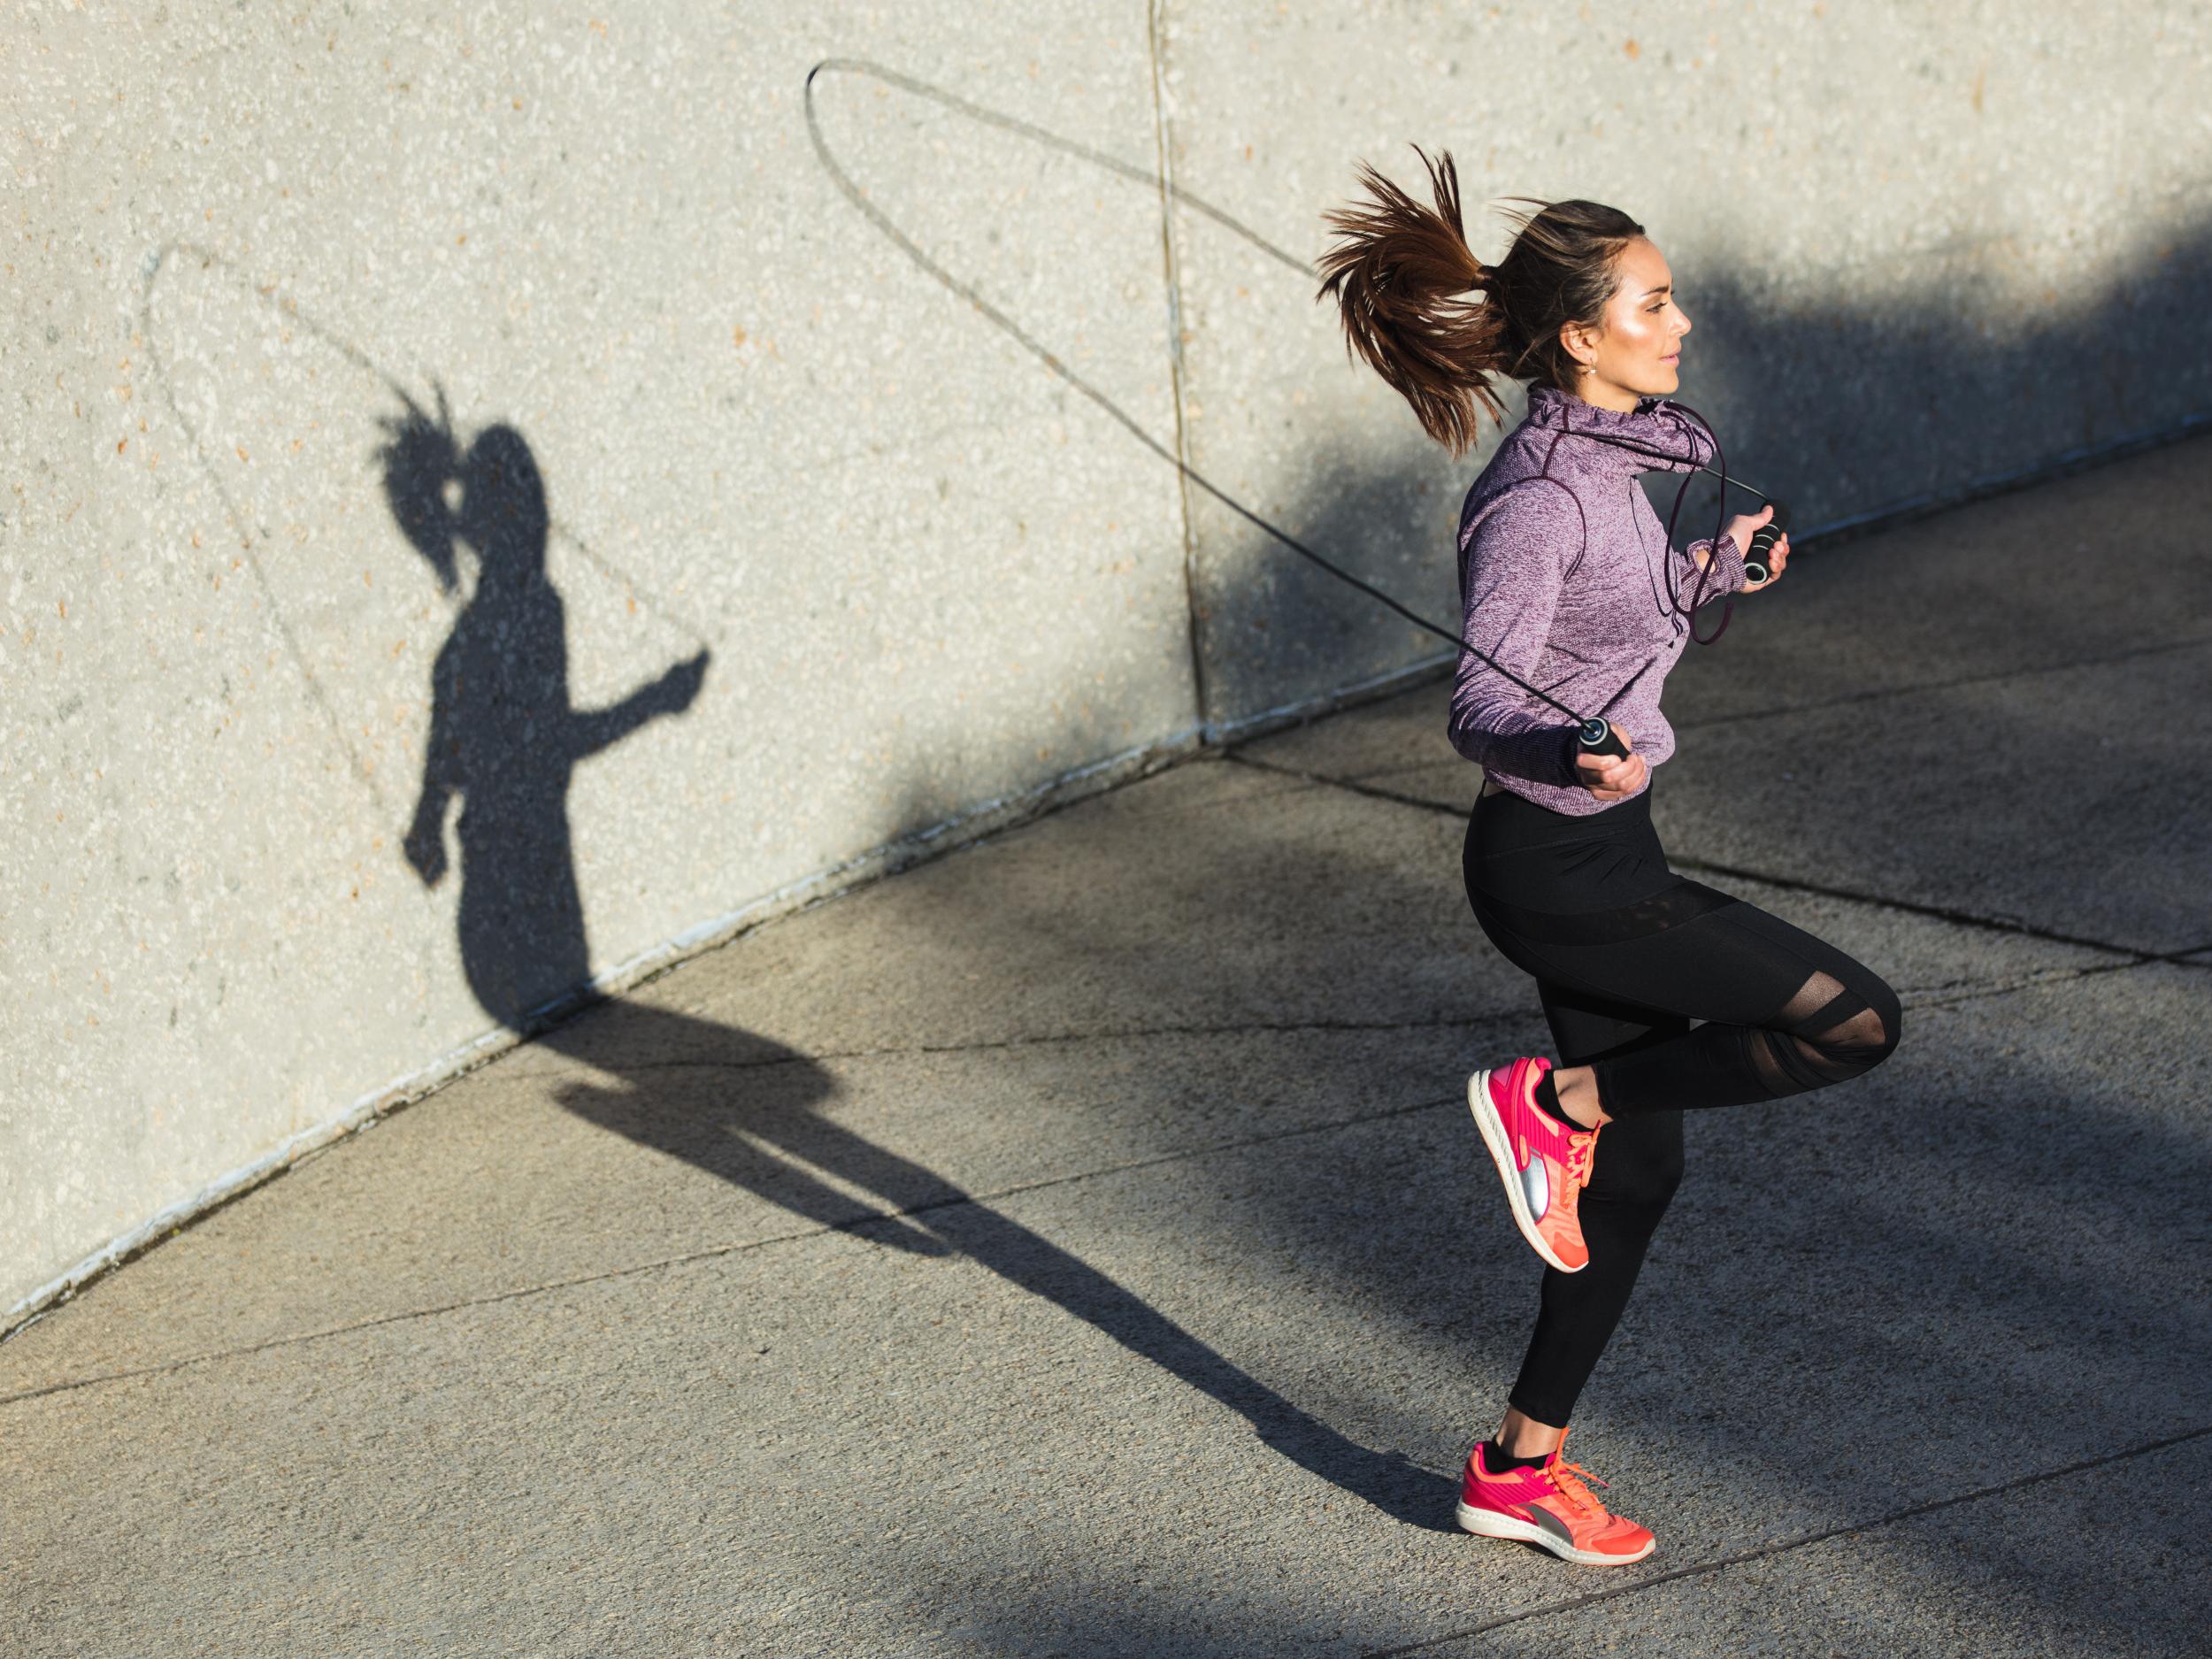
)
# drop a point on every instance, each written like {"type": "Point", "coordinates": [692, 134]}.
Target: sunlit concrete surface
{"type": "Point", "coordinates": [1078, 1245]}
{"type": "Point", "coordinates": [497, 499]}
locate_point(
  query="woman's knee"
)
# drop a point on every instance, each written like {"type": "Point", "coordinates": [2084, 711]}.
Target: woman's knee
{"type": "Point", "coordinates": [1841, 1025]}
{"type": "Point", "coordinates": [1871, 1035]}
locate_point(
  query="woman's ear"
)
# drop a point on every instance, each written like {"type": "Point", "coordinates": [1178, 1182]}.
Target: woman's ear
{"type": "Point", "coordinates": [1578, 341]}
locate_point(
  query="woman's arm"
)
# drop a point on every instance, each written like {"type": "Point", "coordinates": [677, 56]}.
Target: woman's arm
{"type": "Point", "coordinates": [441, 779]}
{"type": "Point", "coordinates": [591, 730]}
{"type": "Point", "coordinates": [1514, 567]}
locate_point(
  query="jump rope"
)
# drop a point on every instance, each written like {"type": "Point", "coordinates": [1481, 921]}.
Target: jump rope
{"type": "Point", "coordinates": [1593, 735]}
{"type": "Point", "coordinates": [1596, 736]}
{"type": "Point", "coordinates": [436, 430]}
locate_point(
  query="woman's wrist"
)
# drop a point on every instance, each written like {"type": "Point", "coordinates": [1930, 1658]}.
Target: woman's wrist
{"type": "Point", "coordinates": [1702, 550]}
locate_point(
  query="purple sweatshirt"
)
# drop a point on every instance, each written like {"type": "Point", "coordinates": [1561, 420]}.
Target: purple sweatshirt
{"type": "Point", "coordinates": [1562, 579]}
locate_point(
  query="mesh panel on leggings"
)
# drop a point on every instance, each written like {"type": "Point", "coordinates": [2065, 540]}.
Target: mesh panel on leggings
{"type": "Point", "coordinates": [1825, 1034]}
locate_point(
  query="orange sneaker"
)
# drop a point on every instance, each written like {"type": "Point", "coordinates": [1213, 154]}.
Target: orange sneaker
{"type": "Point", "coordinates": [1545, 1164]}
{"type": "Point", "coordinates": [1550, 1506]}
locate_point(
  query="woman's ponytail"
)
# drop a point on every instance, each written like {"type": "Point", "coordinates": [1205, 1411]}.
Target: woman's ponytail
{"type": "Point", "coordinates": [1436, 323]}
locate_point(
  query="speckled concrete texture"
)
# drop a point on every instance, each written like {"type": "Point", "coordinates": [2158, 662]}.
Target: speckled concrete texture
{"type": "Point", "coordinates": [500, 496]}
{"type": "Point", "coordinates": [1077, 1245]}
{"type": "Point", "coordinates": [1920, 247]}
{"type": "Point", "coordinates": [743, 549]}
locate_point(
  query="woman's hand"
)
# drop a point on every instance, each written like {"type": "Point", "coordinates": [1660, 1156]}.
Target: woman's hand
{"type": "Point", "coordinates": [1609, 777]}
{"type": "Point", "coordinates": [1741, 530]}
{"type": "Point", "coordinates": [424, 846]}
{"type": "Point", "coordinates": [683, 681]}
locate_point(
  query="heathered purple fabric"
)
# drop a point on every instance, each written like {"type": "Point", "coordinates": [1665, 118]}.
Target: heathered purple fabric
{"type": "Point", "coordinates": [1561, 579]}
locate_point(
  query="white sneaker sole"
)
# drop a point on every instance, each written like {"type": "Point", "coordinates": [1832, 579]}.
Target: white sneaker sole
{"type": "Point", "coordinates": [1490, 1524]}
{"type": "Point", "coordinates": [1491, 1128]}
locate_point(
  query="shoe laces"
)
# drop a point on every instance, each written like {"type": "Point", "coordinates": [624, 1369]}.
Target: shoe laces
{"type": "Point", "coordinates": [1581, 1148]}
{"type": "Point", "coordinates": [1569, 1478]}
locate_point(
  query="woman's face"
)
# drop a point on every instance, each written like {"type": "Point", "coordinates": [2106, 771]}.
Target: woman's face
{"type": "Point", "coordinates": [1637, 351]}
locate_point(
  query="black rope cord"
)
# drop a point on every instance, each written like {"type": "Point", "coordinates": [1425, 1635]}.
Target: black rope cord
{"type": "Point", "coordinates": [1593, 731]}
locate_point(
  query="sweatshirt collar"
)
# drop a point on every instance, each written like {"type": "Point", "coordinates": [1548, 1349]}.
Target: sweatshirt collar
{"type": "Point", "coordinates": [1650, 423]}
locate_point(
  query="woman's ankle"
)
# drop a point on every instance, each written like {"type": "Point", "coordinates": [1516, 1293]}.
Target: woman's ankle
{"type": "Point", "coordinates": [1523, 1436]}
{"type": "Point", "coordinates": [1576, 1089]}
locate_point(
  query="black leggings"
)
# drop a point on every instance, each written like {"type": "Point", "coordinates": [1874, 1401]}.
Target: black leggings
{"type": "Point", "coordinates": [1626, 954]}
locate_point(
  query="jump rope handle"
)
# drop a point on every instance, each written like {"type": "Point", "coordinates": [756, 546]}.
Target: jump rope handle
{"type": "Point", "coordinates": [1755, 568]}
{"type": "Point", "coordinates": [1598, 737]}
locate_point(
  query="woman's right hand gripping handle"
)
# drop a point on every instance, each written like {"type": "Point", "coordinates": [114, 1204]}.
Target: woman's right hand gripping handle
{"type": "Point", "coordinates": [1611, 778]}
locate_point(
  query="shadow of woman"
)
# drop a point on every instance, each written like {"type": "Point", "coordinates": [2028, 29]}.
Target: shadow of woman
{"type": "Point", "coordinates": [504, 737]}
{"type": "Point", "coordinates": [502, 733]}
{"type": "Point", "coordinates": [772, 1140]}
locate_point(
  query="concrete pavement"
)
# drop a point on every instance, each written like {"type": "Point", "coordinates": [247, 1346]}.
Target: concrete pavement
{"type": "Point", "coordinates": [1077, 1246]}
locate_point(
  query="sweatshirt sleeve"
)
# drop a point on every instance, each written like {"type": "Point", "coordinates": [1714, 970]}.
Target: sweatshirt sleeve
{"type": "Point", "coordinates": [1726, 575]}
{"type": "Point", "coordinates": [1512, 569]}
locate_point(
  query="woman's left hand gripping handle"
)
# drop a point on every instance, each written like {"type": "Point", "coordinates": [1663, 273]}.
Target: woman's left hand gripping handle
{"type": "Point", "coordinates": [1609, 777]}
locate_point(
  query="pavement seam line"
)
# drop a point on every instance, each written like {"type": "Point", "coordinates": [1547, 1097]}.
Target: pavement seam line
{"type": "Point", "coordinates": [1768, 1551]}
{"type": "Point", "coordinates": [1135, 1033]}
{"type": "Point", "coordinates": [854, 1224]}
{"type": "Point", "coordinates": [1850, 699]}
{"type": "Point", "coordinates": [1853, 698]}
{"type": "Point", "coordinates": [878, 1217]}
{"type": "Point", "coordinates": [1933, 996]}
{"type": "Point", "coordinates": [1963, 919]}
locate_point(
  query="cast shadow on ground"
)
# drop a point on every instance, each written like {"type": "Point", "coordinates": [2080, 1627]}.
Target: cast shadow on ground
{"type": "Point", "coordinates": [777, 1144]}
{"type": "Point", "coordinates": [504, 739]}
{"type": "Point", "coordinates": [1829, 1269]}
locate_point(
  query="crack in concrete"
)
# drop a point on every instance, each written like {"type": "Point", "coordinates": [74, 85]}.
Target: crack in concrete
{"type": "Point", "coordinates": [1915, 997]}
{"type": "Point", "coordinates": [1768, 1551]}
{"type": "Point", "coordinates": [1792, 884]}
{"type": "Point", "coordinates": [988, 1045]}
{"type": "Point", "coordinates": [1971, 993]}
{"type": "Point", "coordinates": [1994, 676]}
{"type": "Point", "coordinates": [858, 1222]}
{"type": "Point", "coordinates": [1848, 699]}
{"type": "Point", "coordinates": [861, 1220]}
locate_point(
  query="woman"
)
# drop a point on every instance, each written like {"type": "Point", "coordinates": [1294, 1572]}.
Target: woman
{"type": "Point", "coordinates": [1567, 581]}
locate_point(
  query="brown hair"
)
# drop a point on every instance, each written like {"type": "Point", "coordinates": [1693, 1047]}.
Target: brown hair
{"type": "Point", "coordinates": [1405, 282]}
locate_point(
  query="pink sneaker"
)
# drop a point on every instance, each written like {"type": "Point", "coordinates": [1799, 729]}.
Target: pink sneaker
{"type": "Point", "coordinates": [1549, 1506]}
{"type": "Point", "coordinates": [1544, 1164]}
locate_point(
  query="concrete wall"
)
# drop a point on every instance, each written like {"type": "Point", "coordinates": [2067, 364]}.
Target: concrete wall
{"type": "Point", "coordinates": [783, 542]}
